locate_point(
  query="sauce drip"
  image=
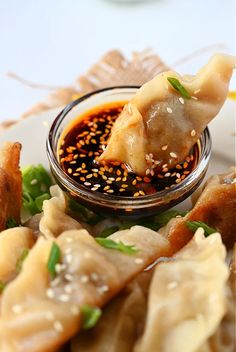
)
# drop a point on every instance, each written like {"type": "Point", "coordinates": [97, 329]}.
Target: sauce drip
{"type": "Point", "coordinates": [85, 140]}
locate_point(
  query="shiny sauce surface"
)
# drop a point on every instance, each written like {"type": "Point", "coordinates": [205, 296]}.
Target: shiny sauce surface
{"type": "Point", "coordinates": [85, 140]}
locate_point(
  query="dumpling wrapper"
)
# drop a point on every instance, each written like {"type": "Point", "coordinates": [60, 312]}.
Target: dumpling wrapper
{"type": "Point", "coordinates": [216, 206]}
{"type": "Point", "coordinates": [12, 243]}
{"type": "Point", "coordinates": [158, 126]}
{"type": "Point", "coordinates": [10, 183]}
{"type": "Point", "coordinates": [121, 322]}
{"type": "Point", "coordinates": [187, 297]}
{"type": "Point", "coordinates": [54, 220]}
{"type": "Point", "coordinates": [34, 319]}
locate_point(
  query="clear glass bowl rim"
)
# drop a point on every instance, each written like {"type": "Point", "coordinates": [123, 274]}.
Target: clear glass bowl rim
{"type": "Point", "coordinates": [121, 201]}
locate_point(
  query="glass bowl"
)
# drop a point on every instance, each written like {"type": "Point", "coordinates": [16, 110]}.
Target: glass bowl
{"type": "Point", "coordinates": [106, 204]}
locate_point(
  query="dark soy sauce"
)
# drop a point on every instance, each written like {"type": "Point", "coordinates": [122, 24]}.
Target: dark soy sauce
{"type": "Point", "coordinates": [85, 140]}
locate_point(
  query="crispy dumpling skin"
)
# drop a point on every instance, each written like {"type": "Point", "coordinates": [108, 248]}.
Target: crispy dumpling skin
{"type": "Point", "coordinates": [121, 321]}
{"type": "Point", "coordinates": [10, 183]}
{"type": "Point", "coordinates": [54, 219]}
{"type": "Point", "coordinates": [187, 297]}
{"type": "Point", "coordinates": [158, 121]}
{"type": "Point", "coordinates": [40, 320]}
{"type": "Point", "coordinates": [12, 243]}
{"type": "Point", "coordinates": [216, 206]}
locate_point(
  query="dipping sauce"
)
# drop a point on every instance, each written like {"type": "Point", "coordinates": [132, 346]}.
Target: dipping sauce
{"type": "Point", "coordinates": [84, 141]}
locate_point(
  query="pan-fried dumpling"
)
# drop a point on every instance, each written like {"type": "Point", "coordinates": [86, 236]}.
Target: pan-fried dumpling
{"type": "Point", "coordinates": [44, 314]}
{"type": "Point", "coordinates": [187, 297]}
{"type": "Point", "coordinates": [159, 125]}
{"type": "Point", "coordinates": [12, 243]}
{"type": "Point", "coordinates": [10, 183]}
{"type": "Point", "coordinates": [121, 321]}
{"type": "Point", "coordinates": [218, 193]}
{"type": "Point", "coordinates": [55, 220]}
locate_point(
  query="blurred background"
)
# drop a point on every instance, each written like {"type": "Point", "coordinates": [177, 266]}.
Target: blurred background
{"type": "Point", "coordinates": [52, 42]}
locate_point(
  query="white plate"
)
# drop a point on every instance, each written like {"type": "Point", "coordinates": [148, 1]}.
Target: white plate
{"type": "Point", "coordinates": [32, 133]}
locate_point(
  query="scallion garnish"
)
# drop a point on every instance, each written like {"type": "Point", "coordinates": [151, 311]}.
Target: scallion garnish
{"type": "Point", "coordinates": [119, 246]}
{"type": "Point", "coordinates": [2, 286]}
{"type": "Point", "coordinates": [179, 87]}
{"type": "Point", "coordinates": [20, 261]}
{"type": "Point", "coordinates": [194, 225]}
{"type": "Point", "coordinates": [90, 316]}
{"type": "Point", "coordinates": [54, 258]}
{"type": "Point", "coordinates": [36, 184]}
{"type": "Point", "coordinates": [11, 222]}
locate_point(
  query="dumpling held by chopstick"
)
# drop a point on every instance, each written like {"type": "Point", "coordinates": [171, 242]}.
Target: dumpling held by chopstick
{"type": "Point", "coordinates": [167, 116]}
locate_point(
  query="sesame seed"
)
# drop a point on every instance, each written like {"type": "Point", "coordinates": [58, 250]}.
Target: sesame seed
{"type": "Point", "coordinates": [195, 98]}
{"type": "Point", "coordinates": [74, 310]}
{"type": "Point", "coordinates": [136, 194]}
{"type": "Point", "coordinates": [197, 91]}
{"type": "Point", "coordinates": [167, 174]}
{"type": "Point", "coordinates": [178, 175]}
{"type": "Point", "coordinates": [124, 186]}
{"type": "Point", "coordinates": [134, 182]}
{"type": "Point", "coordinates": [64, 298]}
{"type": "Point", "coordinates": [193, 133]}
{"type": "Point", "coordinates": [173, 155]}
{"type": "Point", "coordinates": [179, 167]}
{"type": "Point", "coordinates": [178, 180]}
{"type": "Point", "coordinates": [110, 191]}
{"type": "Point", "coordinates": [138, 261]}
{"type": "Point", "coordinates": [49, 316]}
{"type": "Point", "coordinates": [17, 309]}
{"type": "Point", "coordinates": [69, 171]}
{"type": "Point", "coordinates": [181, 100]}
{"type": "Point", "coordinates": [34, 181]}
{"type": "Point", "coordinates": [118, 179]}
{"type": "Point", "coordinates": [69, 277]}
{"type": "Point", "coordinates": [94, 276]}
{"type": "Point", "coordinates": [58, 326]}
{"type": "Point", "coordinates": [68, 239]}
{"type": "Point", "coordinates": [164, 166]}
{"type": "Point", "coordinates": [68, 289]}
{"type": "Point", "coordinates": [142, 193]}
{"type": "Point", "coordinates": [147, 172]}
{"type": "Point", "coordinates": [50, 293]}
{"type": "Point", "coordinates": [122, 190]}
{"type": "Point", "coordinates": [172, 285]}
{"type": "Point", "coordinates": [68, 258]}
{"type": "Point", "coordinates": [84, 279]}
{"type": "Point", "coordinates": [165, 169]}
{"type": "Point", "coordinates": [102, 289]}
{"type": "Point", "coordinates": [169, 110]}
{"type": "Point", "coordinates": [87, 183]}
{"type": "Point", "coordinates": [164, 147]}
{"type": "Point", "coordinates": [89, 176]}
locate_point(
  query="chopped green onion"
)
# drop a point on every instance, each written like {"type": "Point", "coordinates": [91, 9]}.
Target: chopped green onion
{"type": "Point", "coordinates": [36, 184]}
{"type": "Point", "coordinates": [54, 258]}
{"type": "Point", "coordinates": [109, 231]}
{"type": "Point", "coordinates": [120, 246]}
{"type": "Point", "coordinates": [11, 222]}
{"type": "Point", "coordinates": [40, 199]}
{"type": "Point", "coordinates": [90, 316]}
{"type": "Point", "coordinates": [179, 87]}
{"type": "Point", "coordinates": [2, 286]}
{"type": "Point", "coordinates": [20, 261]}
{"type": "Point", "coordinates": [194, 225]}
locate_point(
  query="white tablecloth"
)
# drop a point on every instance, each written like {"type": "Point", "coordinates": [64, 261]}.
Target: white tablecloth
{"type": "Point", "coordinates": [52, 42]}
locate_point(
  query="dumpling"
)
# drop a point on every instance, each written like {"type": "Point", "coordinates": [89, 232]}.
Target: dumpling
{"type": "Point", "coordinates": [46, 313]}
{"type": "Point", "coordinates": [187, 297]}
{"type": "Point", "coordinates": [10, 183]}
{"type": "Point", "coordinates": [159, 126]}
{"type": "Point", "coordinates": [54, 220]}
{"type": "Point", "coordinates": [12, 243]}
{"type": "Point", "coordinates": [121, 321]}
{"type": "Point", "coordinates": [215, 206]}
